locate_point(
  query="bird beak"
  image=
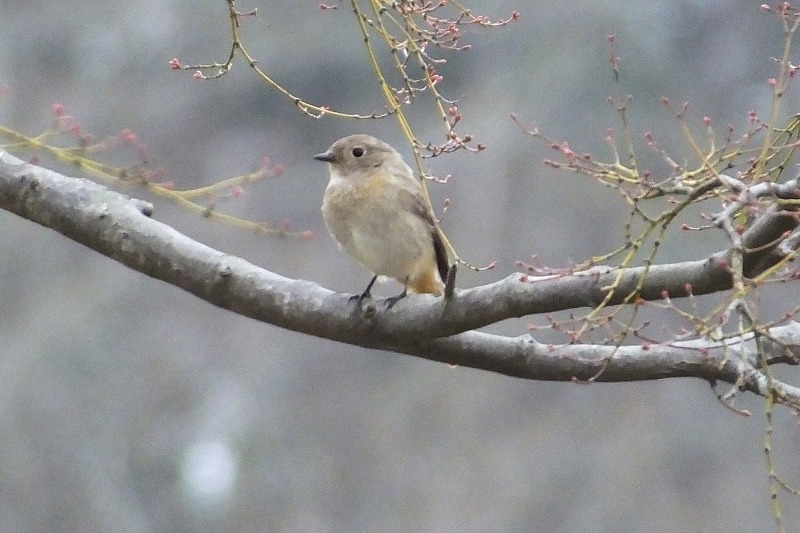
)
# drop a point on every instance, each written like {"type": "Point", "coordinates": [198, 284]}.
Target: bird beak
{"type": "Point", "coordinates": [324, 156]}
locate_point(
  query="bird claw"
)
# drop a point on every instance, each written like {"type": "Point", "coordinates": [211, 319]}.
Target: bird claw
{"type": "Point", "coordinates": [394, 299]}
{"type": "Point", "coordinates": [361, 297]}
{"type": "Point", "coordinates": [366, 294]}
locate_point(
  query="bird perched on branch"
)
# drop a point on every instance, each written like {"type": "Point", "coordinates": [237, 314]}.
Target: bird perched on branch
{"type": "Point", "coordinates": [376, 210]}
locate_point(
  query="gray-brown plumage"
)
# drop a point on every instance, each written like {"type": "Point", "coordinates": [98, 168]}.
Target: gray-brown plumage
{"type": "Point", "coordinates": [375, 209]}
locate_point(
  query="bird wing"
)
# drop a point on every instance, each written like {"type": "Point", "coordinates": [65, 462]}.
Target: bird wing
{"type": "Point", "coordinates": [422, 209]}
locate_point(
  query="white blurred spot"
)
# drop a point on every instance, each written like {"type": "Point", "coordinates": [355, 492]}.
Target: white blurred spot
{"type": "Point", "coordinates": [208, 474]}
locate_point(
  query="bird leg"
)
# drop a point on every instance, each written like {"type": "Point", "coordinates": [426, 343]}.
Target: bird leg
{"type": "Point", "coordinates": [366, 293]}
{"type": "Point", "coordinates": [394, 299]}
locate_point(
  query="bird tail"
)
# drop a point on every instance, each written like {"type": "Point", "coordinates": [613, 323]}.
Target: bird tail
{"type": "Point", "coordinates": [428, 283]}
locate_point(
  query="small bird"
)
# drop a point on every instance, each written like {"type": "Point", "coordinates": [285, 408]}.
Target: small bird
{"type": "Point", "coordinates": [375, 209]}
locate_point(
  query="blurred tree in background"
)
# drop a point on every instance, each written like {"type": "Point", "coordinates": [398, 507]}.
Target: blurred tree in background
{"type": "Point", "coordinates": [130, 405]}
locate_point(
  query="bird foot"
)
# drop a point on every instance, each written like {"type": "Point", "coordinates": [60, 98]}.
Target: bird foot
{"type": "Point", "coordinates": [394, 299]}
{"type": "Point", "coordinates": [361, 297]}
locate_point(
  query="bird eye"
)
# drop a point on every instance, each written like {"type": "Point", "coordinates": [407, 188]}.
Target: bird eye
{"type": "Point", "coordinates": [358, 151]}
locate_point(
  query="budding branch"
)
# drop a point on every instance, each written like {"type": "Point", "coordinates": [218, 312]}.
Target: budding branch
{"type": "Point", "coordinates": [438, 329]}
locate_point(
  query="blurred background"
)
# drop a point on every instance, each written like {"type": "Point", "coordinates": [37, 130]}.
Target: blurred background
{"type": "Point", "coordinates": [128, 405]}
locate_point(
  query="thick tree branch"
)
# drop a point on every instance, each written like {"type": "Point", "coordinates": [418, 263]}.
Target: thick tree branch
{"type": "Point", "coordinates": [436, 329]}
